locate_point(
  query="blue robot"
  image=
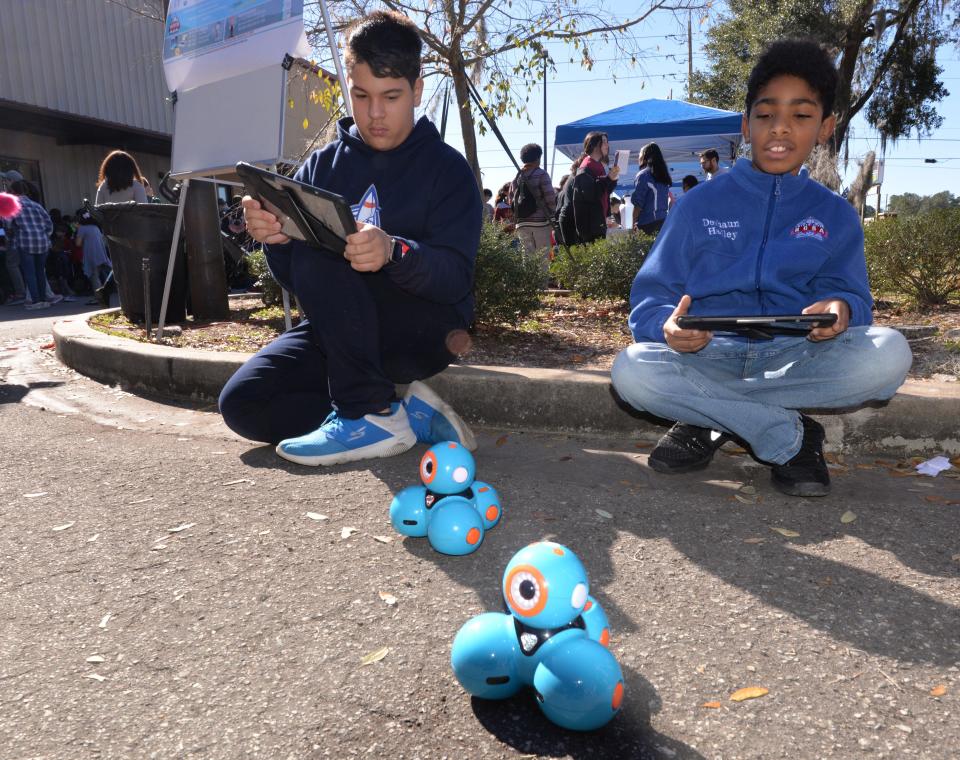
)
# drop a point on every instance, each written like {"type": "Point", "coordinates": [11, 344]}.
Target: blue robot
{"type": "Point", "coordinates": [451, 508]}
{"type": "Point", "coordinates": [553, 638]}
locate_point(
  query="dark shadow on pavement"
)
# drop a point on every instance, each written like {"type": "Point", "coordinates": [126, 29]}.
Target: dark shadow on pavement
{"type": "Point", "coordinates": [518, 723]}
{"type": "Point", "coordinates": [14, 394]}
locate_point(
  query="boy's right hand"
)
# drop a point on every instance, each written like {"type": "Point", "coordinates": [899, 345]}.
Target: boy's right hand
{"type": "Point", "coordinates": [685, 341]}
{"type": "Point", "coordinates": [263, 226]}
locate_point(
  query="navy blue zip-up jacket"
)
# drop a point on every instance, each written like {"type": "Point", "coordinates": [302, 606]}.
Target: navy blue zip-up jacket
{"type": "Point", "coordinates": [422, 192]}
{"type": "Point", "coordinates": [749, 243]}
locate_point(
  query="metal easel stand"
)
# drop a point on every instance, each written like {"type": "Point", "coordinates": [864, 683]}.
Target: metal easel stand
{"type": "Point", "coordinates": [172, 259]}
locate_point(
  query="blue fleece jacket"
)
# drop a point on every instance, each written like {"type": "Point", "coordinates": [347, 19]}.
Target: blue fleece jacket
{"type": "Point", "coordinates": [650, 197]}
{"type": "Point", "coordinates": [749, 243]}
{"type": "Point", "coordinates": [422, 192]}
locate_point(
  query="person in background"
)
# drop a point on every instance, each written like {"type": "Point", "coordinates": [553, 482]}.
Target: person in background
{"type": "Point", "coordinates": [119, 180]}
{"type": "Point", "coordinates": [534, 230]}
{"type": "Point", "coordinates": [613, 220]}
{"type": "Point", "coordinates": [687, 184]}
{"type": "Point", "coordinates": [503, 211]}
{"type": "Point", "coordinates": [651, 190]}
{"type": "Point", "coordinates": [31, 230]}
{"type": "Point", "coordinates": [592, 187]}
{"type": "Point", "coordinates": [710, 163]}
{"type": "Point", "coordinates": [89, 240]}
{"type": "Point", "coordinates": [487, 205]}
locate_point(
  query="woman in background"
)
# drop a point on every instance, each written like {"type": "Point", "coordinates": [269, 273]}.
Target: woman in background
{"type": "Point", "coordinates": [120, 180]}
{"type": "Point", "coordinates": [651, 190]}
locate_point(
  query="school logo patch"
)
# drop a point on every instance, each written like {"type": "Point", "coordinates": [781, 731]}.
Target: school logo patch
{"type": "Point", "coordinates": [810, 228]}
{"type": "Point", "coordinates": [368, 209]}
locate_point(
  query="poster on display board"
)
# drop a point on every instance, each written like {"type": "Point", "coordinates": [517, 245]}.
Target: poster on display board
{"type": "Point", "coordinates": [209, 40]}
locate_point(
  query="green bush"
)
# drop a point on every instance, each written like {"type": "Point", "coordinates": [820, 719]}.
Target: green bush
{"type": "Point", "coordinates": [603, 269]}
{"type": "Point", "coordinates": [916, 256]}
{"type": "Point", "coordinates": [508, 285]}
{"type": "Point", "coordinates": [269, 288]}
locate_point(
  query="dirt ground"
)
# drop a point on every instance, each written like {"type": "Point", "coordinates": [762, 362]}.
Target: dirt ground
{"type": "Point", "coordinates": [565, 333]}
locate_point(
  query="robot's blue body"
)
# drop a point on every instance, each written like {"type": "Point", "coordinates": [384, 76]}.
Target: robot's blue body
{"type": "Point", "coordinates": [554, 639]}
{"type": "Point", "coordinates": [451, 508]}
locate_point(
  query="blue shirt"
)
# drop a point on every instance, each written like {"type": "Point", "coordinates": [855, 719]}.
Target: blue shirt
{"type": "Point", "coordinates": [750, 243]}
{"type": "Point", "coordinates": [650, 197]}
{"type": "Point", "coordinates": [32, 228]}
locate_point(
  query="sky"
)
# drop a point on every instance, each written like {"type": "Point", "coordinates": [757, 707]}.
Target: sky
{"type": "Point", "coordinates": [573, 93]}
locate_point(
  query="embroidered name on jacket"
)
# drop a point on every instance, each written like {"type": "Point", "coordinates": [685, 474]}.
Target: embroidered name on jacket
{"type": "Point", "coordinates": [726, 229]}
{"type": "Point", "coordinates": [810, 228]}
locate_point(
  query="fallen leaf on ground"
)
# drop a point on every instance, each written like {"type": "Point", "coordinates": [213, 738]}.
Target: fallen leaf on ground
{"type": "Point", "coordinates": [34, 495]}
{"type": "Point", "coordinates": [748, 692]}
{"type": "Point", "coordinates": [65, 525]}
{"type": "Point", "coordinates": [604, 514]}
{"type": "Point", "coordinates": [753, 540]}
{"type": "Point", "coordinates": [390, 599]}
{"type": "Point", "coordinates": [383, 539]}
{"type": "Point", "coordinates": [373, 657]}
{"type": "Point", "coordinates": [106, 619]}
{"type": "Point", "coordinates": [744, 499]}
{"type": "Point", "coordinates": [236, 482]}
{"type": "Point", "coordinates": [712, 705]}
{"type": "Point", "coordinates": [900, 473]}
{"type": "Point", "coordinates": [96, 676]}
{"type": "Point", "coordinates": [865, 467]}
{"type": "Point", "coordinates": [848, 517]}
{"type": "Point", "coordinates": [93, 538]}
{"type": "Point", "coordinates": [316, 516]}
{"type": "Point", "coordinates": [938, 691]}
{"type": "Point", "coordinates": [643, 445]}
{"type": "Point", "coordinates": [95, 658]}
{"type": "Point", "coordinates": [502, 440]}
{"type": "Point", "coordinates": [180, 528]}
{"type": "Point", "coordinates": [956, 558]}
{"type": "Point", "coordinates": [347, 532]}
{"type": "Point", "coordinates": [786, 532]}
{"type": "Point", "coordinates": [748, 489]}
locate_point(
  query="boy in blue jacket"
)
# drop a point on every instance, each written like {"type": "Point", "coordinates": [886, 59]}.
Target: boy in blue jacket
{"type": "Point", "coordinates": [395, 306]}
{"type": "Point", "coordinates": [761, 239]}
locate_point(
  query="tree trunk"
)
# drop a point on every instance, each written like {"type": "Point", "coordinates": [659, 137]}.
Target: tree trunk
{"type": "Point", "coordinates": [467, 127]}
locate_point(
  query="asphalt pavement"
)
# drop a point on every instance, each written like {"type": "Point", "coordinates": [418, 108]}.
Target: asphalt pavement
{"type": "Point", "coordinates": [167, 595]}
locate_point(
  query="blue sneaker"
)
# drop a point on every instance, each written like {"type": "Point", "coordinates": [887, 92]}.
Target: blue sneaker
{"type": "Point", "coordinates": [340, 440]}
{"type": "Point", "coordinates": [433, 420]}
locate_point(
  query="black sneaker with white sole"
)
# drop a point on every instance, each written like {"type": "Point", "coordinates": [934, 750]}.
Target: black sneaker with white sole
{"type": "Point", "coordinates": [685, 448]}
{"type": "Point", "coordinates": [806, 474]}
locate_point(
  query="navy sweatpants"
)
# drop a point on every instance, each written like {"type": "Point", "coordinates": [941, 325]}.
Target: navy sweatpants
{"type": "Point", "coordinates": [361, 336]}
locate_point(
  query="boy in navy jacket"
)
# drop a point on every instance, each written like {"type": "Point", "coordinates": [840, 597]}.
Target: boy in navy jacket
{"type": "Point", "coordinates": [761, 239]}
{"type": "Point", "coordinates": [395, 306]}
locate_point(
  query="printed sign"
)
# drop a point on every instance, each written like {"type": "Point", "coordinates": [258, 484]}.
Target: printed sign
{"type": "Point", "coordinates": [209, 40]}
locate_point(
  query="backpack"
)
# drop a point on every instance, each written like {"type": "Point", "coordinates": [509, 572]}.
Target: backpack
{"type": "Point", "coordinates": [524, 202]}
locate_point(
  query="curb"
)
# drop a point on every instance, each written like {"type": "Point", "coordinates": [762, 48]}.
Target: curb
{"type": "Point", "coordinates": [924, 416]}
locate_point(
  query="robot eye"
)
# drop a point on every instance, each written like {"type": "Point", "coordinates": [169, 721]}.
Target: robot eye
{"type": "Point", "coordinates": [579, 596]}
{"type": "Point", "coordinates": [526, 591]}
{"type": "Point", "coordinates": [428, 468]}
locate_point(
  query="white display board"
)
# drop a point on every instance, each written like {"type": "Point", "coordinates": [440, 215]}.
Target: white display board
{"type": "Point", "coordinates": [209, 40]}
{"type": "Point", "coordinates": [265, 117]}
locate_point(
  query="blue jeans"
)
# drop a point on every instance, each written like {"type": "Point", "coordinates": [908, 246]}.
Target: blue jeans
{"type": "Point", "coordinates": [752, 388]}
{"type": "Point", "coordinates": [33, 267]}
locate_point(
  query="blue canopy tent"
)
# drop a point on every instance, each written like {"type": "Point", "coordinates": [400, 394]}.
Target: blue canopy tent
{"type": "Point", "coordinates": [681, 129]}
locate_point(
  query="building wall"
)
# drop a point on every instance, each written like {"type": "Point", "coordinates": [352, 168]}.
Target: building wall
{"type": "Point", "coordinates": [68, 173]}
{"type": "Point", "coordinates": [91, 58]}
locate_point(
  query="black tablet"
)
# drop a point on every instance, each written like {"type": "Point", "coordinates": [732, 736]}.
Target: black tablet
{"type": "Point", "coordinates": [315, 216]}
{"type": "Point", "coordinates": [760, 326]}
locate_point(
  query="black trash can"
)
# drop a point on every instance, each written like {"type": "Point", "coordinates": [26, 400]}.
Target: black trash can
{"type": "Point", "coordinates": [136, 231]}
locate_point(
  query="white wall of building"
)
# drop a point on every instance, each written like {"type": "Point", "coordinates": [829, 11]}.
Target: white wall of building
{"type": "Point", "coordinates": [89, 58]}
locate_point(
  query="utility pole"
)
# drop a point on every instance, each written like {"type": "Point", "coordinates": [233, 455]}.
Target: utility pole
{"type": "Point", "coordinates": [545, 113]}
{"type": "Point", "coordinates": [689, 53]}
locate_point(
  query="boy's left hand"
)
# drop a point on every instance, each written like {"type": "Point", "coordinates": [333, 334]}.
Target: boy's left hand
{"type": "Point", "coordinates": [834, 306]}
{"type": "Point", "coordinates": [368, 249]}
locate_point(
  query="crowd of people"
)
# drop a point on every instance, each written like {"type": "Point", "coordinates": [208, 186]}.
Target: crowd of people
{"type": "Point", "coordinates": [584, 207]}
